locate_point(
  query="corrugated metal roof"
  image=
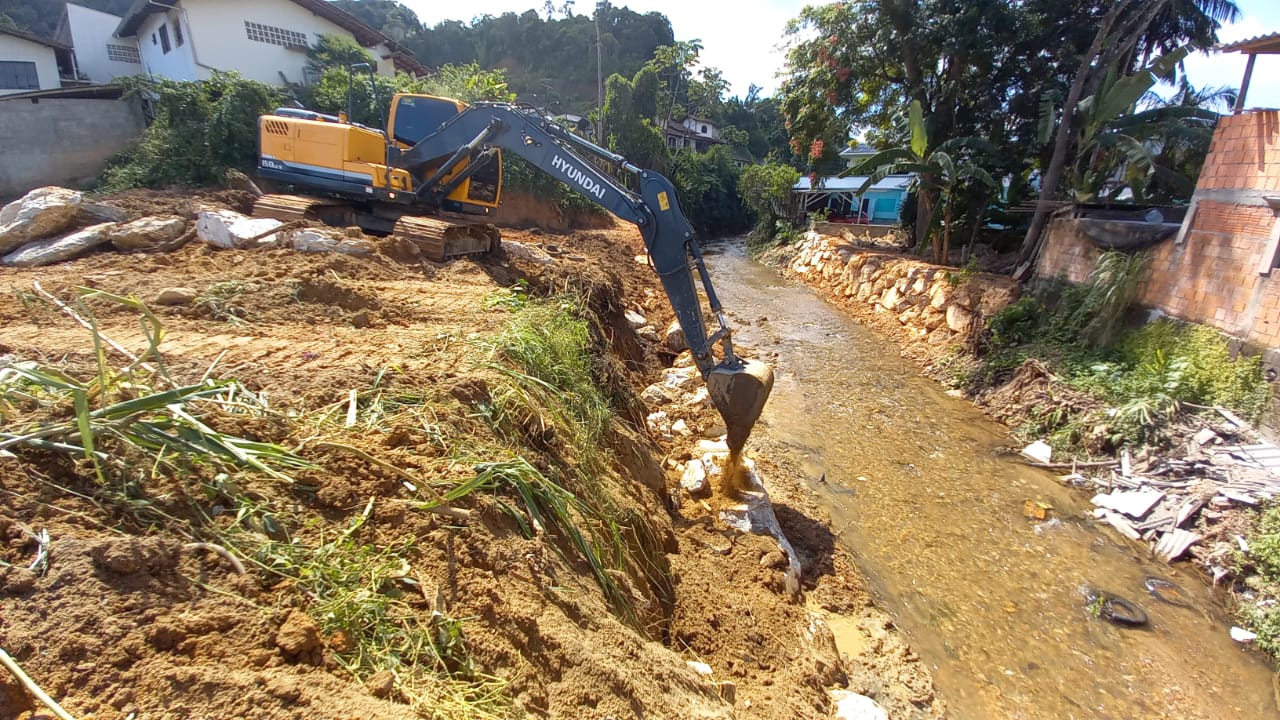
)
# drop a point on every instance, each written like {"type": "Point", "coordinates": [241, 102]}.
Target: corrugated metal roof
{"type": "Point", "coordinates": [34, 38]}
{"type": "Point", "coordinates": [1260, 45]}
{"type": "Point", "coordinates": [853, 182]}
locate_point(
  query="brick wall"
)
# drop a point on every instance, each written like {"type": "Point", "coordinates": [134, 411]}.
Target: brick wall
{"type": "Point", "coordinates": [1214, 274]}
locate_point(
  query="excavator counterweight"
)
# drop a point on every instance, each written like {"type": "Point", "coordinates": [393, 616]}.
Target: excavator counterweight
{"type": "Point", "coordinates": [441, 155]}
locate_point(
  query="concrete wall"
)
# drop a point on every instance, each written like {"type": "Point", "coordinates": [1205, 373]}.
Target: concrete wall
{"type": "Point", "coordinates": [20, 50]}
{"type": "Point", "coordinates": [91, 31]}
{"type": "Point", "coordinates": [61, 142]}
{"type": "Point", "coordinates": [1220, 269]}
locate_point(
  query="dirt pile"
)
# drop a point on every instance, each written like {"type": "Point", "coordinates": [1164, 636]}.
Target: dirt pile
{"type": "Point", "coordinates": [437, 530]}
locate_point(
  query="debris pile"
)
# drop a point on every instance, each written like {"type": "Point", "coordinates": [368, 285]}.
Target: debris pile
{"type": "Point", "coordinates": [1181, 503]}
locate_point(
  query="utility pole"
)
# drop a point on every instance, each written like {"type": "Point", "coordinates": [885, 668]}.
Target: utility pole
{"type": "Point", "coordinates": [599, 79]}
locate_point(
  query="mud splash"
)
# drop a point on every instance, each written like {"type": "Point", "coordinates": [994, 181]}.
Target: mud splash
{"type": "Point", "coordinates": [992, 600]}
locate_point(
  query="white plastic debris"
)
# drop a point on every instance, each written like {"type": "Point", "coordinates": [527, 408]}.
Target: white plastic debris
{"type": "Point", "coordinates": [1038, 451]}
{"type": "Point", "coordinates": [1239, 634]}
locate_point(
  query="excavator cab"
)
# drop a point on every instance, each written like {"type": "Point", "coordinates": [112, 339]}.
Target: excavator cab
{"type": "Point", "coordinates": [413, 117]}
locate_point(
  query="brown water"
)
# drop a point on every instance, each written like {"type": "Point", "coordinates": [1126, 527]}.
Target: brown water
{"type": "Point", "coordinates": [991, 600]}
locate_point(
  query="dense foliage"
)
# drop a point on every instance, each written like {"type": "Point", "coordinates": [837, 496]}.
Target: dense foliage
{"type": "Point", "coordinates": [40, 17]}
{"type": "Point", "coordinates": [550, 61]}
{"type": "Point", "coordinates": [200, 130]}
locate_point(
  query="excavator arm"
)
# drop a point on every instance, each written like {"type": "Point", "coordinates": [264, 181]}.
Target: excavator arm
{"type": "Point", "coordinates": [738, 387]}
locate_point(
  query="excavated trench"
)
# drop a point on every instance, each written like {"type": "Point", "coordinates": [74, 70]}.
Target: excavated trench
{"type": "Point", "coordinates": [995, 603]}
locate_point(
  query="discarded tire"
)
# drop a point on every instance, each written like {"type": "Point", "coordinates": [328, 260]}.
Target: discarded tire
{"type": "Point", "coordinates": [1115, 609]}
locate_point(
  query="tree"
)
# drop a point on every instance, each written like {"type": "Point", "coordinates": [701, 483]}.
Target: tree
{"type": "Point", "coordinates": [629, 106]}
{"type": "Point", "coordinates": [1127, 27]}
{"type": "Point", "coordinates": [945, 170]}
{"type": "Point", "coordinates": [766, 190]}
{"type": "Point", "coordinates": [333, 50]}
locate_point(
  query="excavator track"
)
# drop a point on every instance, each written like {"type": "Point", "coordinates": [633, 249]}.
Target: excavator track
{"type": "Point", "coordinates": [437, 238]}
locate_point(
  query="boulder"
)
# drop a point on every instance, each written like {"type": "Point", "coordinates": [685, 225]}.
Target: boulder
{"type": "Point", "coordinates": [65, 247]}
{"type": "Point", "coordinates": [959, 319]}
{"type": "Point", "coordinates": [891, 299]}
{"type": "Point", "coordinates": [673, 339]}
{"type": "Point", "coordinates": [229, 229]}
{"type": "Point", "coordinates": [38, 214]}
{"type": "Point", "coordinates": [527, 252]}
{"type": "Point", "coordinates": [310, 240]}
{"type": "Point", "coordinates": [147, 233]}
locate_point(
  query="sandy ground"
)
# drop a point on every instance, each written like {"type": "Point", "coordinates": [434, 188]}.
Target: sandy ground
{"type": "Point", "coordinates": [129, 621]}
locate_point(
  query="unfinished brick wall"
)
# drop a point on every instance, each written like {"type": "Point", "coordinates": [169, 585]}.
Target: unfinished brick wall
{"type": "Point", "coordinates": [1215, 275]}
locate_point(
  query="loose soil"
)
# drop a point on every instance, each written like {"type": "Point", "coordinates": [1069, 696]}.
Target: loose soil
{"type": "Point", "coordinates": [131, 620]}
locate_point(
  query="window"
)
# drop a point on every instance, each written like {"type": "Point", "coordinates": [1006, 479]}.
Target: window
{"type": "Point", "coordinates": [123, 53]}
{"type": "Point", "coordinates": [17, 75]}
{"type": "Point", "coordinates": [177, 33]}
{"type": "Point", "coordinates": [164, 38]}
{"type": "Point", "coordinates": [153, 39]}
{"type": "Point", "coordinates": [704, 129]}
{"type": "Point", "coordinates": [274, 35]}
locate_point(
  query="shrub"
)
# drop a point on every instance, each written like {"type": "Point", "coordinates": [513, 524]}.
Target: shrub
{"type": "Point", "coordinates": [200, 130]}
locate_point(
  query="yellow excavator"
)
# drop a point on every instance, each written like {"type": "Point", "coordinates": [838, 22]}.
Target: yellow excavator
{"type": "Point", "coordinates": [439, 155]}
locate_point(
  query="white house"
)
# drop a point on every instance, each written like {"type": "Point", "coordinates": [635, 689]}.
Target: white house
{"type": "Point", "coordinates": [692, 133]}
{"type": "Point", "coordinates": [28, 62]}
{"type": "Point", "coordinates": [100, 56]}
{"type": "Point", "coordinates": [264, 40]}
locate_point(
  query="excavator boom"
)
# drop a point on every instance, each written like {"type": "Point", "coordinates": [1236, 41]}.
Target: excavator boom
{"type": "Point", "coordinates": [738, 387]}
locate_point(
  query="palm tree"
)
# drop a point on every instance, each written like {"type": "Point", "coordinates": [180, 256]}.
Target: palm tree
{"type": "Point", "coordinates": [944, 170]}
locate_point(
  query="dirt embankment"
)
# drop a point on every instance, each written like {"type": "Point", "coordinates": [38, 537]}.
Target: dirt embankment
{"type": "Point", "coordinates": [384, 378]}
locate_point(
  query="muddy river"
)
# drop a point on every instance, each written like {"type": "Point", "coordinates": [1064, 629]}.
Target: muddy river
{"type": "Point", "coordinates": [993, 601]}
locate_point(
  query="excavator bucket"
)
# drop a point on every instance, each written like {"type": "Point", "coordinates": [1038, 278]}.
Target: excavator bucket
{"type": "Point", "coordinates": [739, 389]}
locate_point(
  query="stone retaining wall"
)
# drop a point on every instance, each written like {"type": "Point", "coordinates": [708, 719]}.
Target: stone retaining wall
{"type": "Point", "coordinates": [932, 302]}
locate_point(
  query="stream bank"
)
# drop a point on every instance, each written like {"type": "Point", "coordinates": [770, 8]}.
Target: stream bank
{"type": "Point", "coordinates": [921, 493]}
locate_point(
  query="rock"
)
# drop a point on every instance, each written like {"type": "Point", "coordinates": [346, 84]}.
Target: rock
{"type": "Point", "coordinates": [774, 560]}
{"type": "Point", "coordinates": [715, 431]}
{"type": "Point", "coordinates": [694, 480]}
{"type": "Point", "coordinates": [891, 299]}
{"type": "Point", "coordinates": [318, 241]}
{"type": "Point", "coordinates": [38, 214]}
{"type": "Point", "coordinates": [698, 398]}
{"type": "Point", "coordinates": [932, 319]}
{"type": "Point", "coordinates": [658, 423]}
{"type": "Point", "coordinates": [527, 252]}
{"type": "Point", "coordinates": [680, 427]}
{"type": "Point", "coordinates": [656, 394]}
{"type": "Point", "coordinates": [673, 339]}
{"type": "Point", "coordinates": [635, 319]}
{"type": "Point", "coordinates": [94, 213]}
{"type": "Point", "coordinates": [381, 683]}
{"type": "Point", "coordinates": [44, 252]}
{"type": "Point", "coordinates": [147, 233]}
{"type": "Point", "coordinates": [1205, 436]}
{"type": "Point", "coordinates": [229, 229]}
{"type": "Point", "coordinates": [959, 319]}
{"type": "Point", "coordinates": [852, 706]}
{"type": "Point", "coordinates": [649, 334]}
{"type": "Point", "coordinates": [175, 296]}
{"type": "Point", "coordinates": [684, 360]}
{"type": "Point", "coordinates": [683, 378]}
{"type": "Point", "coordinates": [299, 635]}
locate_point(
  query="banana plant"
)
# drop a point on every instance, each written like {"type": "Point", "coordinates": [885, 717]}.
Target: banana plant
{"type": "Point", "coordinates": [1117, 146]}
{"type": "Point", "coordinates": [943, 171]}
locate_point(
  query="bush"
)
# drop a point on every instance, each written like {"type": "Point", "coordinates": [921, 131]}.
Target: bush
{"type": "Point", "coordinates": [200, 130]}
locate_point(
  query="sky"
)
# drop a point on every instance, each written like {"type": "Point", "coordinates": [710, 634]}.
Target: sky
{"type": "Point", "coordinates": [742, 37]}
